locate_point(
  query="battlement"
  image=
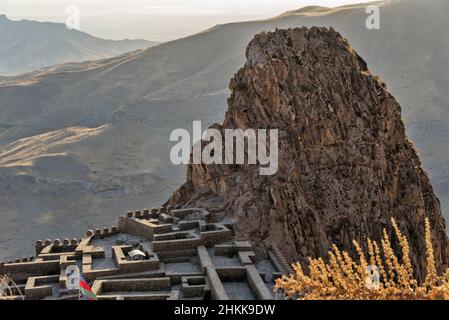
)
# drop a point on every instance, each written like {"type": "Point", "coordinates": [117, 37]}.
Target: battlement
{"type": "Point", "coordinates": [161, 253]}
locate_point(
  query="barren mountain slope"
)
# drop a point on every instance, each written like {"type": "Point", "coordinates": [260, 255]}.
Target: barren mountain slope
{"type": "Point", "coordinates": [133, 101]}
{"type": "Point", "coordinates": [345, 164]}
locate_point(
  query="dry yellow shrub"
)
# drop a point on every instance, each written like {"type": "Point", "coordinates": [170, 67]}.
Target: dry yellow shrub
{"type": "Point", "coordinates": [380, 275]}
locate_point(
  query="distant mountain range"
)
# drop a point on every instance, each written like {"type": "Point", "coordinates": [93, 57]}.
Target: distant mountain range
{"type": "Point", "coordinates": [29, 45]}
{"type": "Point", "coordinates": [80, 142]}
{"type": "Point", "coordinates": [346, 165]}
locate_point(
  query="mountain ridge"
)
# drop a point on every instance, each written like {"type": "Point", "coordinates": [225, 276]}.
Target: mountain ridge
{"type": "Point", "coordinates": [29, 45]}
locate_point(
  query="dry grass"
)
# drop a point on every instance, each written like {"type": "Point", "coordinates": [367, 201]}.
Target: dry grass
{"type": "Point", "coordinates": [345, 278]}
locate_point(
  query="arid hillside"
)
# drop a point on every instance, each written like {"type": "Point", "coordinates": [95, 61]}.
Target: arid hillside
{"type": "Point", "coordinates": [82, 142]}
{"type": "Point", "coordinates": [346, 166]}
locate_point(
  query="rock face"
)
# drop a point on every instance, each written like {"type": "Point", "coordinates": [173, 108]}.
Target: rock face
{"type": "Point", "coordinates": [31, 45]}
{"type": "Point", "coordinates": [346, 165]}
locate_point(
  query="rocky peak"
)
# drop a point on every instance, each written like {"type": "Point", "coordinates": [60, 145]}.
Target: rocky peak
{"type": "Point", "coordinates": [346, 165]}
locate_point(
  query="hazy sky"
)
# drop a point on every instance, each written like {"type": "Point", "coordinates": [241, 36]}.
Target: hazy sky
{"type": "Point", "coordinates": [158, 20]}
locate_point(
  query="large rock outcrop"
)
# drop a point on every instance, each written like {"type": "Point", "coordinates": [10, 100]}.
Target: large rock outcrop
{"type": "Point", "coordinates": [346, 165]}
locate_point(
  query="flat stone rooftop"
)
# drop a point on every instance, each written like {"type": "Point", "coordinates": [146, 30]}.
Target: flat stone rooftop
{"type": "Point", "coordinates": [185, 257]}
